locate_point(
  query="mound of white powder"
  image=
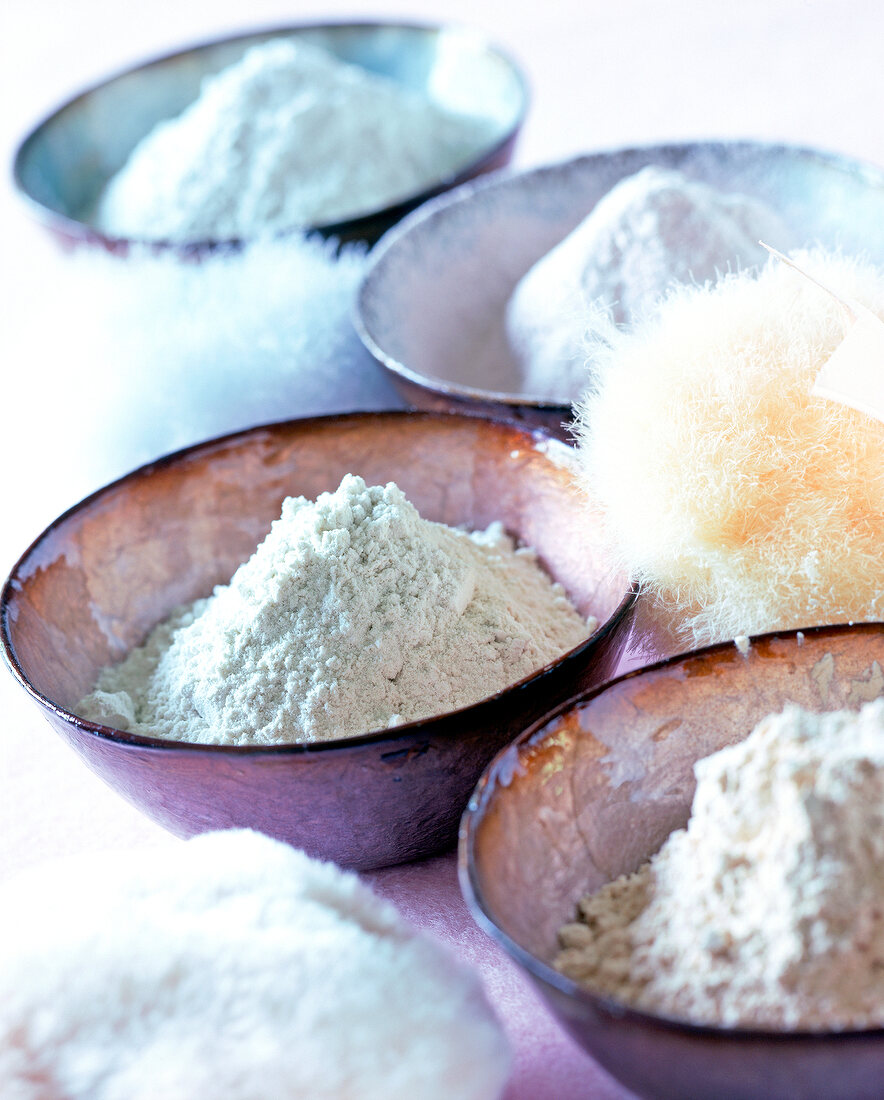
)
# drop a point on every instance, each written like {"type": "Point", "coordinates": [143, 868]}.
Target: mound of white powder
{"type": "Point", "coordinates": [230, 967]}
{"type": "Point", "coordinates": [768, 910]}
{"type": "Point", "coordinates": [353, 615]}
{"type": "Point", "coordinates": [288, 136]}
{"type": "Point", "coordinates": [652, 230]}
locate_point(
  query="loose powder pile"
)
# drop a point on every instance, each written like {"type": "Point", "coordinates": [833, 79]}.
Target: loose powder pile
{"type": "Point", "coordinates": [768, 910]}
{"type": "Point", "coordinates": [739, 500]}
{"type": "Point", "coordinates": [652, 230]}
{"type": "Point", "coordinates": [288, 136]}
{"type": "Point", "coordinates": [354, 614]}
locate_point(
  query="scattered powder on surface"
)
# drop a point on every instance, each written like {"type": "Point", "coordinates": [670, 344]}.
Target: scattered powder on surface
{"type": "Point", "coordinates": [653, 229]}
{"type": "Point", "coordinates": [288, 136]}
{"type": "Point", "coordinates": [768, 910]}
{"type": "Point", "coordinates": [740, 502]}
{"type": "Point", "coordinates": [354, 614]}
{"type": "Point", "coordinates": [230, 967]}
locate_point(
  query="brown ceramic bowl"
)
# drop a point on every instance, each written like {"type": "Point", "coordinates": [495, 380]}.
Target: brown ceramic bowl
{"type": "Point", "coordinates": [63, 164]}
{"type": "Point", "coordinates": [594, 791]}
{"type": "Point", "coordinates": [98, 579]}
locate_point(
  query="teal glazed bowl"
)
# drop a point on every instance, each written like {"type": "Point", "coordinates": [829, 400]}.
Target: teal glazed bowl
{"type": "Point", "coordinates": [62, 165]}
{"type": "Point", "coordinates": [102, 576]}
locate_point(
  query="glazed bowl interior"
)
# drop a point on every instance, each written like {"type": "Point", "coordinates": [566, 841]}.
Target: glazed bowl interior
{"type": "Point", "coordinates": [432, 305]}
{"type": "Point", "coordinates": [97, 581]}
{"type": "Point", "coordinates": [63, 164]}
{"type": "Point", "coordinates": [593, 792]}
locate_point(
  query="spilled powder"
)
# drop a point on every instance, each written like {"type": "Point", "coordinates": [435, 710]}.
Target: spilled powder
{"type": "Point", "coordinates": [768, 910]}
{"type": "Point", "coordinates": [354, 614]}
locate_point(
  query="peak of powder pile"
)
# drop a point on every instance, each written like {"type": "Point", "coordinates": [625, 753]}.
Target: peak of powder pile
{"type": "Point", "coordinates": [354, 614]}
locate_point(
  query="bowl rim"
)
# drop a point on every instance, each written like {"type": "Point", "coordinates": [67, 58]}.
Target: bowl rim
{"type": "Point", "coordinates": [505, 179]}
{"type": "Point", "coordinates": [392, 735]}
{"type": "Point", "coordinates": [601, 1004]}
{"type": "Point", "coordinates": [85, 232]}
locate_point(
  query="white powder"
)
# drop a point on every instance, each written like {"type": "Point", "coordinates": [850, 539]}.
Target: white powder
{"type": "Point", "coordinates": [652, 230]}
{"type": "Point", "coordinates": [288, 136]}
{"type": "Point", "coordinates": [353, 615]}
{"type": "Point", "coordinates": [768, 910]}
{"type": "Point", "coordinates": [230, 967]}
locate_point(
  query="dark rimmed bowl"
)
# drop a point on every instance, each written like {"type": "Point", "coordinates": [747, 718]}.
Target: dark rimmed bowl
{"type": "Point", "coordinates": [98, 579]}
{"type": "Point", "coordinates": [63, 163]}
{"type": "Point", "coordinates": [592, 792]}
{"type": "Point", "coordinates": [432, 304]}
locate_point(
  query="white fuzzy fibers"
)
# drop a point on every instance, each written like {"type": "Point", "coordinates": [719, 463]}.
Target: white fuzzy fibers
{"type": "Point", "coordinates": [230, 967]}
{"type": "Point", "coordinates": [738, 499]}
{"type": "Point", "coordinates": [155, 353]}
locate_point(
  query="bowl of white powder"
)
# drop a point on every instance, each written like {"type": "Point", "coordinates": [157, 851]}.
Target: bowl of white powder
{"type": "Point", "coordinates": [339, 128]}
{"type": "Point", "coordinates": [688, 861]}
{"type": "Point", "coordinates": [494, 298]}
{"type": "Point", "coordinates": [322, 629]}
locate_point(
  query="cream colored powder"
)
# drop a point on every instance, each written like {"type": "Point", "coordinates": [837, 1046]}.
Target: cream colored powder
{"type": "Point", "coordinates": [768, 910]}
{"type": "Point", "coordinates": [354, 614]}
{"type": "Point", "coordinates": [652, 230]}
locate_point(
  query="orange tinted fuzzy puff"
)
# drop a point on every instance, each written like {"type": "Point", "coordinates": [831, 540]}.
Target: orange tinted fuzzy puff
{"type": "Point", "coordinates": [732, 494]}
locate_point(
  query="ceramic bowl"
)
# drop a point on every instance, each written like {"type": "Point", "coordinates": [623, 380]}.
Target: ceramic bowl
{"type": "Point", "coordinates": [98, 579]}
{"type": "Point", "coordinates": [63, 164]}
{"type": "Point", "coordinates": [432, 305]}
{"type": "Point", "coordinates": [593, 792]}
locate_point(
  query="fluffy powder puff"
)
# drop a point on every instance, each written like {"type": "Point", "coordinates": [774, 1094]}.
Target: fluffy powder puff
{"type": "Point", "coordinates": [230, 967]}
{"type": "Point", "coordinates": [149, 353]}
{"type": "Point", "coordinates": [739, 500]}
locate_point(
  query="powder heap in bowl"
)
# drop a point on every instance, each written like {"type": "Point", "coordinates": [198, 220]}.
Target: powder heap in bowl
{"type": "Point", "coordinates": [652, 230]}
{"type": "Point", "coordinates": [354, 614]}
{"type": "Point", "coordinates": [288, 136]}
{"type": "Point", "coordinates": [768, 910]}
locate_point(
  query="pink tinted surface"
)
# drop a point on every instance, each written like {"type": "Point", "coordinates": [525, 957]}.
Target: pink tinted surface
{"type": "Point", "coordinates": [602, 75]}
{"type": "Point", "coordinates": [546, 1062]}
